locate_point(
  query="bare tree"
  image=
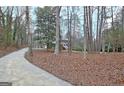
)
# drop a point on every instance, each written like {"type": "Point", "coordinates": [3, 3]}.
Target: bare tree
{"type": "Point", "coordinates": [90, 29]}
{"type": "Point", "coordinates": [103, 32]}
{"type": "Point", "coordinates": [85, 35]}
{"type": "Point", "coordinates": [123, 18]}
{"type": "Point", "coordinates": [88, 14]}
{"type": "Point", "coordinates": [112, 24]}
{"type": "Point", "coordinates": [100, 29]}
{"type": "Point", "coordinates": [69, 18]}
{"type": "Point", "coordinates": [97, 30]}
{"type": "Point", "coordinates": [28, 29]}
{"type": "Point", "coordinates": [57, 45]}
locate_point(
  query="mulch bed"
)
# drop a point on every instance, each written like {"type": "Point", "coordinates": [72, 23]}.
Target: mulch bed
{"type": "Point", "coordinates": [96, 69]}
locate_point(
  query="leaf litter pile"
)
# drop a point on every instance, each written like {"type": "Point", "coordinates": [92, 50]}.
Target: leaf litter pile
{"type": "Point", "coordinates": [96, 69]}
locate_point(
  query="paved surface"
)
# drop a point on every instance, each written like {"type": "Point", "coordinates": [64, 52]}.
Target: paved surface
{"type": "Point", "coordinates": [16, 69]}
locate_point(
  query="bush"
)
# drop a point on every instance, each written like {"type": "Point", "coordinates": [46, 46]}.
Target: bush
{"type": "Point", "coordinates": [77, 49]}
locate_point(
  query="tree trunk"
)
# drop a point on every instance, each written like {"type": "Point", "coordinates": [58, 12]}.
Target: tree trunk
{"type": "Point", "coordinates": [57, 45]}
{"type": "Point", "coordinates": [90, 29]}
{"type": "Point", "coordinates": [97, 31]}
{"type": "Point", "coordinates": [108, 47]}
{"type": "Point", "coordinates": [100, 29]}
{"type": "Point", "coordinates": [68, 29]}
{"type": "Point", "coordinates": [85, 42]}
{"type": "Point", "coordinates": [70, 23]}
{"type": "Point", "coordinates": [103, 33]}
{"type": "Point", "coordinates": [87, 28]}
{"type": "Point", "coordinates": [28, 29]}
{"type": "Point", "coordinates": [113, 48]}
{"type": "Point", "coordinates": [123, 18]}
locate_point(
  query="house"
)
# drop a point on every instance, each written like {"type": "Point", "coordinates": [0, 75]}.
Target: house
{"type": "Point", "coordinates": [64, 44]}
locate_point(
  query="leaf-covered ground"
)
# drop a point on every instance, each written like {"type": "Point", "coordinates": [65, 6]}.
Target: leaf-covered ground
{"type": "Point", "coordinates": [96, 69]}
{"type": "Point", "coordinates": [5, 51]}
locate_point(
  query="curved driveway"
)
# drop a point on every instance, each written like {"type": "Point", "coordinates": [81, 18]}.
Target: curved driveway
{"type": "Point", "coordinates": [16, 69]}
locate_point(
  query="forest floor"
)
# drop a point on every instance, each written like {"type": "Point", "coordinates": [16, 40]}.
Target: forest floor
{"type": "Point", "coordinates": [96, 69]}
{"type": "Point", "coordinates": [10, 49]}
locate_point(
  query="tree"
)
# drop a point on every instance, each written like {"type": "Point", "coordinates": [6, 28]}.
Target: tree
{"type": "Point", "coordinates": [85, 33]}
{"type": "Point", "coordinates": [7, 25]}
{"type": "Point", "coordinates": [71, 26]}
{"type": "Point", "coordinates": [104, 28]}
{"type": "Point", "coordinates": [97, 30]}
{"type": "Point", "coordinates": [89, 37]}
{"type": "Point", "coordinates": [28, 29]}
{"type": "Point", "coordinates": [11, 25]}
{"type": "Point", "coordinates": [100, 29]}
{"type": "Point", "coordinates": [57, 46]}
{"type": "Point", "coordinates": [123, 18]}
{"type": "Point", "coordinates": [19, 27]}
{"type": "Point", "coordinates": [75, 29]}
{"type": "Point", "coordinates": [45, 26]}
